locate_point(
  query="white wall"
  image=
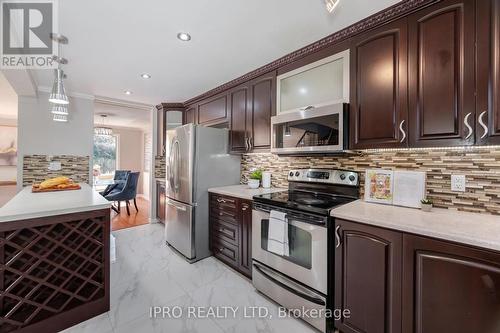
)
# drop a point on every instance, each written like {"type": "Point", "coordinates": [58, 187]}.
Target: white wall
{"type": "Point", "coordinates": [39, 134]}
{"type": "Point", "coordinates": [131, 152]}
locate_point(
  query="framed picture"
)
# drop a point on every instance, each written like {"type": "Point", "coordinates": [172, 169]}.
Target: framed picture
{"type": "Point", "coordinates": [8, 146]}
{"type": "Point", "coordinates": [379, 186]}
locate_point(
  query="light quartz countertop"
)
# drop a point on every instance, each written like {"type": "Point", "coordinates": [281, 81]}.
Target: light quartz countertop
{"type": "Point", "coordinates": [474, 229]}
{"type": "Point", "coordinates": [243, 191]}
{"type": "Point", "coordinates": [27, 205]}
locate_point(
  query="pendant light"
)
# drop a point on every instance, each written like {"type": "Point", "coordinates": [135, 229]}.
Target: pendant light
{"type": "Point", "coordinates": [58, 94]}
{"type": "Point", "coordinates": [59, 109]}
{"type": "Point", "coordinates": [103, 129]}
{"type": "Point", "coordinates": [60, 118]}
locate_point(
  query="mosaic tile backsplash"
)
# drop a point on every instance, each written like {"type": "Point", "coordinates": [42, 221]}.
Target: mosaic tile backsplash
{"type": "Point", "coordinates": [35, 168]}
{"type": "Point", "coordinates": [160, 167]}
{"type": "Point", "coordinates": [480, 165]}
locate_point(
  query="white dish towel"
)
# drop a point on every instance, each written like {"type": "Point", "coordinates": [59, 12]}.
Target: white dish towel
{"type": "Point", "coordinates": [277, 234]}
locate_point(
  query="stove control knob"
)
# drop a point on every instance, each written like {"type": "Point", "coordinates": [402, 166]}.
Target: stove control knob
{"type": "Point", "coordinates": [297, 174]}
{"type": "Point", "coordinates": [352, 178]}
{"type": "Point", "coordinates": [342, 176]}
{"type": "Point", "coordinates": [291, 174]}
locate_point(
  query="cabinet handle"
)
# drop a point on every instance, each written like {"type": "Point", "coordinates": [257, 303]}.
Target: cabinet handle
{"type": "Point", "coordinates": [337, 237]}
{"type": "Point", "coordinates": [244, 207]}
{"type": "Point", "coordinates": [469, 128]}
{"type": "Point", "coordinates": [220, 214]}
{"type": "Point", "coordinates": [483, 125]}
{"type": "Point", "coordinates": [402, 131]}
{"type": "Point", "coordinates": [219, 200]}
{"type": "Point", "coordinates": [307, 108]}
{"type": "Point", "coordinates": [250, 143]}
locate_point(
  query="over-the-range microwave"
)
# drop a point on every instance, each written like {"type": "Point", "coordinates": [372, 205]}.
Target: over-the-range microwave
{"type": "Point", "coordinates": [312, 130]}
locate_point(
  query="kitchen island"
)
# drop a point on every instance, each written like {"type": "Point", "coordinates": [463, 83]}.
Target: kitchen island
{"type": "Point", "coordinates": [54, 259]}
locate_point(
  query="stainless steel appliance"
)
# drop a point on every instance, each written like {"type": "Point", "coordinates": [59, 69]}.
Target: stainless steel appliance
{"type": "Point", "coordinates": [312, 130]}
{"type": "Point", "coordinates": [299, 277]}
{"type": "Point", "coordinates": [197, 159]}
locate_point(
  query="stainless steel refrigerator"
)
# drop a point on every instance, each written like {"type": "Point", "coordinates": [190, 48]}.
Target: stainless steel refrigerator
{"type": "Point", "coordinates": [197, 159]}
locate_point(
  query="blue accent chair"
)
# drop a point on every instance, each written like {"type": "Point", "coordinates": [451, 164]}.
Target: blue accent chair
{"type": "Point", "coordinates": [119, 178]}
{"type": "Point", "coordinates": [127, 193]}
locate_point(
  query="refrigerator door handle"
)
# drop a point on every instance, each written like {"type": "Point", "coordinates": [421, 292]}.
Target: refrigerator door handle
{"type": "Point", "coordinates": [176, 206]}
{"type": "Point", "coordinates": [170, 167]}
{"type": "Point", "coordinates": [177, 164]}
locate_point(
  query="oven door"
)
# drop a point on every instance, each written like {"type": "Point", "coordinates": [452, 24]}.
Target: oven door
{"type": "Point", "coordinates": [307, 258]}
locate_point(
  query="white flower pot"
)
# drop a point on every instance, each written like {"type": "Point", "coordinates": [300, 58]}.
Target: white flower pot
{"type": "Point", "coordinates": [253, 183]}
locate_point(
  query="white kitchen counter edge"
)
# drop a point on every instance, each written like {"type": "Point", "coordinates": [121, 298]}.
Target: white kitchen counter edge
{"type": "Point", "coordinates": [473, 229]}
{"type": "Point", "coordinates": [243, 191]}
{"type": "Point", "coordinates": [28, 205]}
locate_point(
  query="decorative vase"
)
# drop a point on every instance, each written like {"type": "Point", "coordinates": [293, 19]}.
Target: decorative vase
{"type": "Point", "coordinates": [426, 207]}
{"type": "Point", "coordinates": [253, 183]}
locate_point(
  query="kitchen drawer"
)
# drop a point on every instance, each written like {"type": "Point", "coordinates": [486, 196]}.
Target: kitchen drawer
{"type": "Point", "coordinates": [225, 251]}
{"type": "Point", "coordinates": [216, 213]}
{"type": "Point", "coordinates": [224, 203]}
{"type": "Point", "coordinates": [226, 231]}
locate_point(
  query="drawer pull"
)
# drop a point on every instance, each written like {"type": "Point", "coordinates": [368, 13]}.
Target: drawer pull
{"type": "Point", "coordinates": [219, 200]}
{"type": "Point", "coordinates": [220, 214]}
{"type": "Point", "coordinates": [244, 207]}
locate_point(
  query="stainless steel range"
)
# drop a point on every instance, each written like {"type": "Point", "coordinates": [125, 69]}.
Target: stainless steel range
{"type": "Point", "coordinates": [291, 232]}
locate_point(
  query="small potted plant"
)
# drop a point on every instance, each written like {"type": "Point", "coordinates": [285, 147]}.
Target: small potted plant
{"type": "Point", "coordinates": [426, 204]}
{"type": "Point", "coordinates": [255, 178]}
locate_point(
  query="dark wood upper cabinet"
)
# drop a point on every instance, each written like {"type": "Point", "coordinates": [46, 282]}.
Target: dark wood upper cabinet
{"type": "Point", "coordinates": [190, 115]}
{"type": "Point", "coordinates": [488, 72]}
{"type": "Point", "coordinates": [449, 288]}
{"type": "Point", "coordinates": [214, 111]}
{"type": "Point", "coordinates": [161, 125]}
{"type": "Point", "coordinates": [251, 106]}
{"type": "Point", "coordinates": [441, 74]}
{"type": "Point", "coordinates": [240, 107]}
{"type": "Point", "coordinates": [263, 108]}
{"type": "Point", "coordinates": [368, 278]}
{"type": "Point", "coordinates": [379, 104]}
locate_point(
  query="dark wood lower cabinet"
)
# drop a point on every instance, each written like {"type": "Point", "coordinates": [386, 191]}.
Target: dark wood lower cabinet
{"type": "Point", "coordinates": [368, 278]}
{"type": "Point", "coordinates": [231, 232]}
{"type": "Point", "coordinates": [391, 281]}
{"type": "Point", "coordinates": [449, 288]}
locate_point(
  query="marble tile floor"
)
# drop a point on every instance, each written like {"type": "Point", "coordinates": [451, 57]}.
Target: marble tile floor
{"type": "Point", "coordinates": [147, 274]}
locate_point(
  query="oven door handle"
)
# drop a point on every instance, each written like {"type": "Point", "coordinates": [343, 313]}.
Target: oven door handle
{"type": "Point", "coordinates": [277, 279]}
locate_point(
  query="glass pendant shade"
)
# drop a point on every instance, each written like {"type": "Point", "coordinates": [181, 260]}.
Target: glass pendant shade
{"type": "Point", "coordinates": [59, 109]}
{"type": "Point", "coordinates": [58, 94]}
{"type": "Point", "coordinates": [103, 131]}
{"type": "Point", "coordinates": [60, 118]}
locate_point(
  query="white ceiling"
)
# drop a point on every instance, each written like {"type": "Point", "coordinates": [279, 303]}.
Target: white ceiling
{"type": "Point", "coordinates": [8, 100]}
{"type": "Point", "coordinates": [113, 42]}
{"type": "Point", "coordinates": [122, 116]}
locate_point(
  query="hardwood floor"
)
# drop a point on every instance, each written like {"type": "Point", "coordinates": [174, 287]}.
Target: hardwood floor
{"type": "Point", "coordinates": [122, 220]}
{"type": "Point", "coordinates": [7, 192]}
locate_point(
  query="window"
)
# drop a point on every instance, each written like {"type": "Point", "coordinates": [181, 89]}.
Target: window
{"type": "Point", "coordinates": [105, 158]}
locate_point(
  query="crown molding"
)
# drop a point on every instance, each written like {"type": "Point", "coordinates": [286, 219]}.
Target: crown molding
{"type": "Point", "coordinates": [48, 90]}
{"type": "Point", "coordinates": [387, 15]}
{"type": "Point", "coordinates": [170, 106]}
{"type": "Point", "coordinates": [123, 103]}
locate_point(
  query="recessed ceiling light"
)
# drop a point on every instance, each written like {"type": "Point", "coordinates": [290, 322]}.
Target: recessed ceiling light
{"type": "Point", "coordinates": [145, 76]}
{"type": "Point", "coordinates": [184, 36]}
{"type": "Point", "coordinates": [128, 92]}
{"type": "Point", "coordinates": [331, 4]}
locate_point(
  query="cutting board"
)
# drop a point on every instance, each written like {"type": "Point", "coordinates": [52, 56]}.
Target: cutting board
{"type": "Point", "coordinates": [36, 189]}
